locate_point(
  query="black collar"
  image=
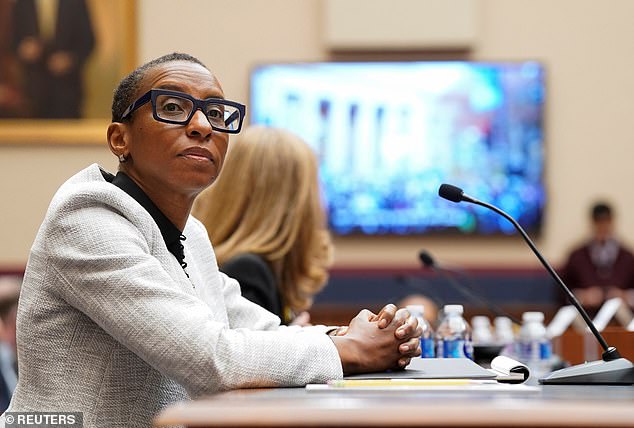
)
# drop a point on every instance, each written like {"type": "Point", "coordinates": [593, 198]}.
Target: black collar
{"type": "Point", "coordinates": [171, 234]}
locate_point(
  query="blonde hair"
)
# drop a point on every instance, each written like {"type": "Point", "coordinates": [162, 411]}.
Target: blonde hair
{"type": "Point", "coordinates": [266, 201]}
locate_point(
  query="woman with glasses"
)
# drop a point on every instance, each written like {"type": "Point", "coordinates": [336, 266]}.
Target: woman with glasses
{"type": "Point", "coordinates": [265, 219]}
{"type": "Point", "coordinates": [123, 309]}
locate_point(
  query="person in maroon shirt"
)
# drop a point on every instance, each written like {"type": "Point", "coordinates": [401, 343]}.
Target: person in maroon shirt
{"type": "Point", "coordinates": [602, 267]}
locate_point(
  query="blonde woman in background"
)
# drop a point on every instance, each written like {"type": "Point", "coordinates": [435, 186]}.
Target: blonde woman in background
{"type": "Point", "coordinates": [267, 224]}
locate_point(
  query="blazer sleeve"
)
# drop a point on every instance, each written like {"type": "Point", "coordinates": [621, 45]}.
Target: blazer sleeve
{"type": "Point", "coordinates": [256, 281]}
{"type": "Point", "coordinates": [101, 264]}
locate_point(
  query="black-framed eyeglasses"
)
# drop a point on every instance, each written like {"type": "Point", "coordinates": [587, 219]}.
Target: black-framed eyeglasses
{"type": "Point", "coordinates": [179, 108]}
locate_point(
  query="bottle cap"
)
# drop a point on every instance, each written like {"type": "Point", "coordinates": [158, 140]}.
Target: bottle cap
{"type": "Point", "coordinates": [503, 325]}
{"type": "Point", "coordinates": [453, 309]}
{"type": "Point", "coordinates": [533, 317]}
{"type": "Point", "coordinates": [502, 321]}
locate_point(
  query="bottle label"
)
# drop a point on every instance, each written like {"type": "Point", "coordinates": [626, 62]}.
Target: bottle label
{"type": "Point", "coordinates": [525, 351]}
{"type": "Point", "coordinates": [533, 351]}
{"type": "Point", "coordinates": [468, 349]}
{"type": "Point", "coordinates": [427, 347]}
{"type": "Point", "coordinates": [545, 350]}
{"type": "Point", "coordinates": [451, 348]}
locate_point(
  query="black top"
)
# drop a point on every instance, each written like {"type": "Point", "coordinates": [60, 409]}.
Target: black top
{"type": "Point", "coordinates": [256, 282]}
{"type": "Point", "coordinates": [171, 234]}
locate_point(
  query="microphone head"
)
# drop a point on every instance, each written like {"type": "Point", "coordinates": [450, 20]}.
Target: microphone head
{"type": "Point", "coordinates": [450, 192]}
{"type": "Point", "coordinates": [426, 259]}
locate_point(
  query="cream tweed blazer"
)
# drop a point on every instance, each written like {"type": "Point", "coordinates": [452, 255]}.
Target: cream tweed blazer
{"type": "Point", "coordinates": [110, 325]}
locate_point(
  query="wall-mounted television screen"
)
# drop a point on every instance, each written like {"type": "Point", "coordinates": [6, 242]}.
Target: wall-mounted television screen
{"type": "Point", "coordinates": [387, 134]}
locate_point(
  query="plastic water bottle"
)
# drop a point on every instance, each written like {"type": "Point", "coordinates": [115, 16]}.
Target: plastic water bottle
{"type": "Point", "coordinates": [534, 347]}
{"type": "Point", "coordinates": [505, 337]}
{"type": "Point", "coordinates": [453, 337]}
{"type": "Point", "coordinates": [503, 331]}
{"type": "Point", "coordinates": [427, 338]}
{"type": "Point", "coordinates": [482, 334]}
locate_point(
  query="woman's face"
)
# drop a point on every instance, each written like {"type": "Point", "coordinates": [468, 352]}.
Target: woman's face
{"type": "Point", "coordinates": [167, 160]}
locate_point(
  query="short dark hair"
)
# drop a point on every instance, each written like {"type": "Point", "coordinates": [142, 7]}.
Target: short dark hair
{"type": "Point", "coordinates": [129, 85]}
{"type": "Point", "coordinates": [601, 210]}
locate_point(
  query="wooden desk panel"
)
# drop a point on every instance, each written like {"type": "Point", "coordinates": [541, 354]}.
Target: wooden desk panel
{"type": "Point", "coordinates": [577, 348]}
{"type": "Point", "coordinates": [553, 406]}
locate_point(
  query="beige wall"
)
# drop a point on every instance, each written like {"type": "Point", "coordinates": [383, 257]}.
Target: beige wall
{"type": "Point", "coordinates": [588, 47]}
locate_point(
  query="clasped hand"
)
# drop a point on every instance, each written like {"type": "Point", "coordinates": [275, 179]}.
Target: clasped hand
{"type": "Point", "coordinates": [378, 342]}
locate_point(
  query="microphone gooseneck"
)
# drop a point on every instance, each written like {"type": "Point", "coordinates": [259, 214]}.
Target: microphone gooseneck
{"type": "Point", "coordinates": [456, 194]}
{"type": "Point", "coordinates": [612, 369]}
{"type": "Point", "coordinates": [465, 289]}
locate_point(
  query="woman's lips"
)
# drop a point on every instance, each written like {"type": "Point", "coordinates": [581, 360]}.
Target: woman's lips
{"type": "Point", "coordinates": [199, 154]}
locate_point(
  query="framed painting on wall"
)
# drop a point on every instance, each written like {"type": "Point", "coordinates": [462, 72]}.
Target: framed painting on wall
{"type": "Point", "coordinates": [59, 63]}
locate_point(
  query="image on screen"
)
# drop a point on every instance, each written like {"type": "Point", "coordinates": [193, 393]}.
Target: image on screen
{"type": "Point", "coordinates": [387, 134]}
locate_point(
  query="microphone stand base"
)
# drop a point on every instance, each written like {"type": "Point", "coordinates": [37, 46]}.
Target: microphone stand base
{"type": "Point", "coordinates": [616, 372]}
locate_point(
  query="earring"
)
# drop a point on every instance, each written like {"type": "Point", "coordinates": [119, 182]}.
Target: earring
{"type": "Point", "coordinates": [122, 158]}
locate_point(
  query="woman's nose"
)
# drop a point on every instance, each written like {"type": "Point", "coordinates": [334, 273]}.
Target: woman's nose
{"type": "Point", "coordinates": [199, 125]}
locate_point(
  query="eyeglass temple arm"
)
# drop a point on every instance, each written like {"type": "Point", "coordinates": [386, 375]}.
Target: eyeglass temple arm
{"type": "Point", "coordinates": [231, 118]}
{"type": "Point", "coordinates": [138, 103]}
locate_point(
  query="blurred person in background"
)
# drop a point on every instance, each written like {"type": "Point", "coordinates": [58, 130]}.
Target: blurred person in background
{"type": "Point", "coordinates": [602, 267]}
{"type": "Point", "coordinates": [265, 219]}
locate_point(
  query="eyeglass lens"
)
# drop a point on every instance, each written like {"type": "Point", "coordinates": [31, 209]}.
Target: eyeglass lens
{"type": "Point", "coordinates": [174, 108]}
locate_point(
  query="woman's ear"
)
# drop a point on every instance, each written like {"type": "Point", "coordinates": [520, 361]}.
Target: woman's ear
{"type": "Point", "coordinates": [118, 141]}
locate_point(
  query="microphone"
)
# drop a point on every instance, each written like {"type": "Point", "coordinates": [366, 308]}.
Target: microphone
{"type": "Point", "coordinates": [467, 291]}
{"type": "Point", "coordinates": [612, 369]}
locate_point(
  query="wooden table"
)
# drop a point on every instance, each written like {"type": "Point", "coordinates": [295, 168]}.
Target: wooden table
{"type": "Point", "coordinates": [550, 406]}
